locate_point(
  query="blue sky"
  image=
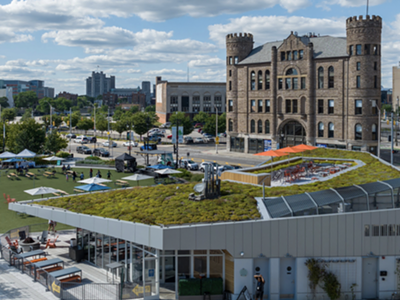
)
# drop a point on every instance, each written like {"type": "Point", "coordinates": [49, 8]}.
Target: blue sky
{"type": "Point", "coordinates": [63, 41]}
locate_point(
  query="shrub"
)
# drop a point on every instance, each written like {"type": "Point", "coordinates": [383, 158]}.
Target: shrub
{"type": "Point", "coordinates": [62, 154]}
{"type": "Point", "coordinates": [93, 158]}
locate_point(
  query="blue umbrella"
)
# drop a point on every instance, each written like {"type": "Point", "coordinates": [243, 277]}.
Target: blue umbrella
{"type": "Point", "coordinates": [159, 167]}
{"type": "Point", "coordinates": [92, 187]}
{"type": "Point", "coordinates": [13, 160]}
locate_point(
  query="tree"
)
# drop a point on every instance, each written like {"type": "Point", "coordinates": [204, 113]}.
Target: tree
{"type": "Point", "coordinates": [54, 142]}
{"type": "Point", "coordinates": [62, 104]}
{"type": "Point", "coordinates": [142, 123]}
{"type": "Point", "coordinates": [209, 127]}
{"type": "Point", "coordinates": [75, 117]}
{"type": "Point", "coordinates": [27, 115]}
{"type": "Point", "coordinates": [26, 135]}
{"type": "Point", "coordinates": [101, 123]}
{"type": "Point", "coordinates": [134, 109]}
{"type": "Point", "coordinates": [56, 119]}
{"type": "Point", "coordinates": [44, 105]}
{"type": "Point", "coordinates": [85, 124]}
{"type": "Point", "coordinates": [118, 114]}
{"type": "Point", "coordinates": [183, 121]}
{"type": "Point", "coordinates": [150, 108]}
{"type": "Point", "coordinates": [26, 99]}
{"type": "Point", "coordinates": [120, 127]}
{"type": "Point", "coordinates": [104, 109]}
{"type": "Point", "coordinates": [201, 117]}
{"type": "Point", "coordinates": [4, 102]}
{"type": "Point", "coordinates": [8, 114]}
{"type": "Point", "coordinates": [387, 108]}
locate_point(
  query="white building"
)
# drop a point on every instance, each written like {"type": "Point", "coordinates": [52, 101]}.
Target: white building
{"type": "Point", "coordinates": [8, 93]}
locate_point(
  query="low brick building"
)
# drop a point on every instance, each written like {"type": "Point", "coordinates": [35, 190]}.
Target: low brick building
{"type": "Point", "coordinates": [309, 89]}
{"type": "Point", "coordinates": [69, 96]}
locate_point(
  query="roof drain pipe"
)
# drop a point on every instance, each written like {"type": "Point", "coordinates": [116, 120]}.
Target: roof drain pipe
{"type": "Point", "coordinates": [315, 203]}
{"type": "Point", "coordinates": [365, 194]}
{"type": "Point", "coordinates": [287, 204]}
{"type": "Point", "coordinates": [391, 189]}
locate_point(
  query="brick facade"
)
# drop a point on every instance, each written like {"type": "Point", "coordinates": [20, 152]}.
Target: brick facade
{"type": "Point", "coordinates": [301, 74]}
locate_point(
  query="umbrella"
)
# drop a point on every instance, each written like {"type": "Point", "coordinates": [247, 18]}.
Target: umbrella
{"type": "Point", "coordinates": [137, 177]}
{"type": "Point", "coordinates": [94, 180]}
{"type": "Point", "coordinates": [92, 187]}
{"type": "Point", "coordinates": [159, 167]}
{"type": "Point", "coordinates": [167, 171]}
{"type": "Point", "coordinates": [7, 155]}
{"type": "Point", "coordinates": [26, 153]}
{"type": "Point", "coordinates": [41, 191]}
{"type": "Point", "coordinates": [53, 158]}
{"type": "Point", "coordinates": [305, 147]}
{"type": "Point", "coordinates": [273, 153]}
{"type": "Point", "coordinates": [290, 150]}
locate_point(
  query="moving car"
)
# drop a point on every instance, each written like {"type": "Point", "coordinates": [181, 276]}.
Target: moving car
{"type": "Point", "coordinates": [153, 138]}
{"type": "Point", "coordinates": [63, 128]}
{"type": "Point", "coordinates": [83, 150]}
{"type": "Point", "coordinates": [169, 136]}
{"type": "Point", "coordinates": [112, 144]}
{"type": "Point", "coordinates": [81, 139]}
{"type": "Point", "coordinates": [101, 152]}
{"type": "Point", "coordinates": [148, 147]}
{"type": "Point", "coordinates": [92, 139]}
{"type": "Point", "coordinates": [188, 139]}
{"type": "Point", "coordinates": [70, 136]}
{"type": "Point", "coordinates": [189, 164]}
{"type": "Point", "coordinates": [203, 166]}
{"type": "Point", "coordinates": [166, 125]}
{"type": "Point", "coordinates": [130, 143]}
{"type": "Point", "coordinates": [199, 140]}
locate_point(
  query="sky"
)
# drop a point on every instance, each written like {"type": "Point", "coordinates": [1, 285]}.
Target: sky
{"type": "Point", "coordinates": [63, 41]}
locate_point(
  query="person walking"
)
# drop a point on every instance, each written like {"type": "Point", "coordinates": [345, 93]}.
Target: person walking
{"type": "Point", "coordinates": [108, 174]}
{"type": "Point", "coordinates": [66, 176]}
{"type": "Point", "coordinates": [50, 226]}
{"type": "Point", "coordinates": [73, 176]}
{"type": "Point", "coordinates": [82, 176]}
{"type": "Point", "coordinates": [260, 286]}
{"type": "Point", "coordinates": [90, 173]}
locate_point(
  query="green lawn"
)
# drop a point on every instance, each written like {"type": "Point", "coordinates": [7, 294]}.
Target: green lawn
{"type": "Point", "coordinates": [15, 188]}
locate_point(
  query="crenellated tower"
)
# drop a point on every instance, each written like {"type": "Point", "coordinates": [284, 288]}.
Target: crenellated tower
{"type": "Point", "coordinates": [364, 74]}
{"type": "Point", "coordinates": [238, 47]}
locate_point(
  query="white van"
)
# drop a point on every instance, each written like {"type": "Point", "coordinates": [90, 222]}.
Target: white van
{"type": "Point", "coordinates": [81, 139]}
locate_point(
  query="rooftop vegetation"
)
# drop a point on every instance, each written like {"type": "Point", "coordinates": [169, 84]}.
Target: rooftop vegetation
{"type": "Point", "coordinates": [170, 204]}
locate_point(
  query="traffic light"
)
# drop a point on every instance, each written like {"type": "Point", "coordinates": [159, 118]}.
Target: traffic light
{"type": "Point", "coordinates": [68, 122]}
{"type": "Point", "coordinates": [54, 123]}
{"type": "Point", "coordinates": [62, 118]}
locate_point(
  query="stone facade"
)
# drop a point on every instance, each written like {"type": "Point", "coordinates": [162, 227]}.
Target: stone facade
{"type": "Point", "coordinates": [305, 89]}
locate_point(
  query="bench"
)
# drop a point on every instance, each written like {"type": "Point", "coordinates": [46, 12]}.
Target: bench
{"type": "Point", "coordinates": [48, 270]}
{"type": "Point", "coordinates": [46, 175]}
{"type": "Point", "coordinates": [78, 191]}
{"type": "Point", "coordinates": [56, 194]}
{"type": "Point", "coordinates": [71, 278]}
{"type": "Point", "coordinates": [62, 192]}
{"type": "Point", "coordinates": [34, 260]}
{"type": "Point", "coordinates": [9, 177]}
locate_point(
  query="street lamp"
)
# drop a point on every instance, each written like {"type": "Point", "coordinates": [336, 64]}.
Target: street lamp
{"type": "Point", "coordinates": [379, 126]}
{"type": "Point", "coordinates": [51, 116]}
{"type": "Point", "coordinates": [216, 129]}
{"type": "Point", "coordinates": [94, 145]}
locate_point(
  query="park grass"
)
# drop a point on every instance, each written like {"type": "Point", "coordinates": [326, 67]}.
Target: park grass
{"type": "Point", "coordinates": [15, 188]}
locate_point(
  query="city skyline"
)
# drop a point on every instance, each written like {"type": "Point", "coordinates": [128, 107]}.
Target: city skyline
{"type": "Point", "coordinates": [63, 42]}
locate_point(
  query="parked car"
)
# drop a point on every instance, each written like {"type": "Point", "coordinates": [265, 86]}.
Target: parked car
{"type": "Point", "coordinates": [199, 140]}
{"type": "Point", "coordinates": [101, 152]}
{"type": "Point", "coordinates": [209, 139]}
{"type": "Point", "coordinates": [81, 139]}
{"type": "Point", "coordinates": [203, 165]}
{"type": "Point", "coordinates": [148, 147]}
{"type": "Point", "coordinates": [83, 150]}
{"type": "Point", "coordinates": [197, 125]}
{"type": "Point", "coordinates": [130, 143]}
{"type": "Point", "coordinates": [222, 134]}
{"type": "Point", "coordinates": [154, 130]}
{"type": "Point", "coordinates": [200, 130]}
{"type": "Point", "coordinates": [153, 138]}
{"type": "Point", "coordinates": [188, 139]}
{"type": "Point", "coordinates": [166, 125]}
{"type": "Point", "coordinates": [158, 134]}
{"type": "Point", "coordinates": [169, 136]}
{"type": "Point", "coordinates": [207, 135]}
{"type": "Point", "coordinates": [70, 136]}
{"type": "Point", "coordinates": [63, 128]}
{"type": "Point", "coordinates": [189, 164]}
{"type": "Point", "coordinates": [112, 144]}
{"type": "Point", "coordinates": [92, 139]}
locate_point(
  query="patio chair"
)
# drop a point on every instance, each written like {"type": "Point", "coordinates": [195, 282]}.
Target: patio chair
{"type": "Point", "coordinates": [43, 238]}
{"type": "Point", "coordinates": [22, 235]}
{"type": "Point", "coordinates": [15, 244]}
{"type": "Point", "coordinates": [9, 199]}
{"type": "Point", "coordinates": [50, 244]}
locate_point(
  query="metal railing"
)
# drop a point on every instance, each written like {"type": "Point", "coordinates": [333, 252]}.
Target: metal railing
{"type": "Point", "coordinates": [90, 291]}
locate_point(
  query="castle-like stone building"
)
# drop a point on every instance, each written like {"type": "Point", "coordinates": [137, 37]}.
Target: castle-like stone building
{"type": "Point", "coordinates": [319, 90]}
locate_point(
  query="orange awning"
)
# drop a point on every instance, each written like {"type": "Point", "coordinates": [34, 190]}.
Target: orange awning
{"type": "Point", "coordinates": [272, 153]}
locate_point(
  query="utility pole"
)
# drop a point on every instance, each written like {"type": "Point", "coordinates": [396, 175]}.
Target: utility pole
{"type": "Point", "coordinates": [391, 140]}
{"type": "Point", "coordinates": [108, 125]}
{"type": "Point", "coordinates": [51, 118]}
{"type": "Point", "coordinates": [397, 119]}
{"type": "Point", "coordinates": [216, 129]}
{"type": "Point", "coordinates": [94, 145]}
{"type": "Point", "coordinates": [177, 141]}
{"type": "Point", "coordinates": [70, 129]}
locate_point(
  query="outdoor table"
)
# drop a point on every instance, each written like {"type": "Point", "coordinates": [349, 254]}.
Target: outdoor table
{"type": "Point", "coordinates": [46, 263]}
{"type": "Point", "coordinates": [26, 255]}
{"type": "Point", "coordinates": [66, 272]}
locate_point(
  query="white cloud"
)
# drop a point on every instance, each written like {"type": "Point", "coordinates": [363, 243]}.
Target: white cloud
{"type": "Point", "coordinates": [348, 3]}
{"type": "Point", "coordinates": [166, 72]}
{"type": "Point", "coordinates": [264, 28]}
{"type": "Point", "coordinates": [207, 63]}
{"type": "Point", "coordinates": [132, 71]}
{"type": "Point", "coordinates": [10, 37]}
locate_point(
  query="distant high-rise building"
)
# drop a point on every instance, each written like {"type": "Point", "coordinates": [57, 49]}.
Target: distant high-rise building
{"type": "Point", "coordinates": [98, 84]}
{"type": "Point", "coordinates": [146, 90]}
{"type": "Point", "coordinates": [396, 85]}
{"type": "Point", "coordinates": [19, 86]}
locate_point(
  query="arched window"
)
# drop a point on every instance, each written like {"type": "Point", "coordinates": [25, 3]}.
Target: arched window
{"type": "Point", "coordinates": [331, 130]}
{"type": "Point", "coordinates": [331, 75]}
{"type": "Point", "coordinates": [291, 71]}
{"type": "Point", "coordinates": [259, 126]}
{"type": "Point", "coordinates": [320, 129]}
{"type": "Point", "coordinates": [260, 80]}
{"type": "Point", "coordinates": [358, 132]}
{"type": "Point", "coordinates": [253, 126]}
{"type": "Point", "coordinates": [253, 81]}
{"type": "Point", "coordinates": [321, 78]}
{"type": "Point", "coordinates": [230, 125]}
{"type": "Point", "coordinates": [374, 132]}
{"type": "Point", "coordinates": [267, 80]}
{"type": "Point", "coordinates": [267, 126]}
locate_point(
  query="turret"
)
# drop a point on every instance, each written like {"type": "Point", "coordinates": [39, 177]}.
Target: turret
{"type": "Point", "coordinates": [238, 47]}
